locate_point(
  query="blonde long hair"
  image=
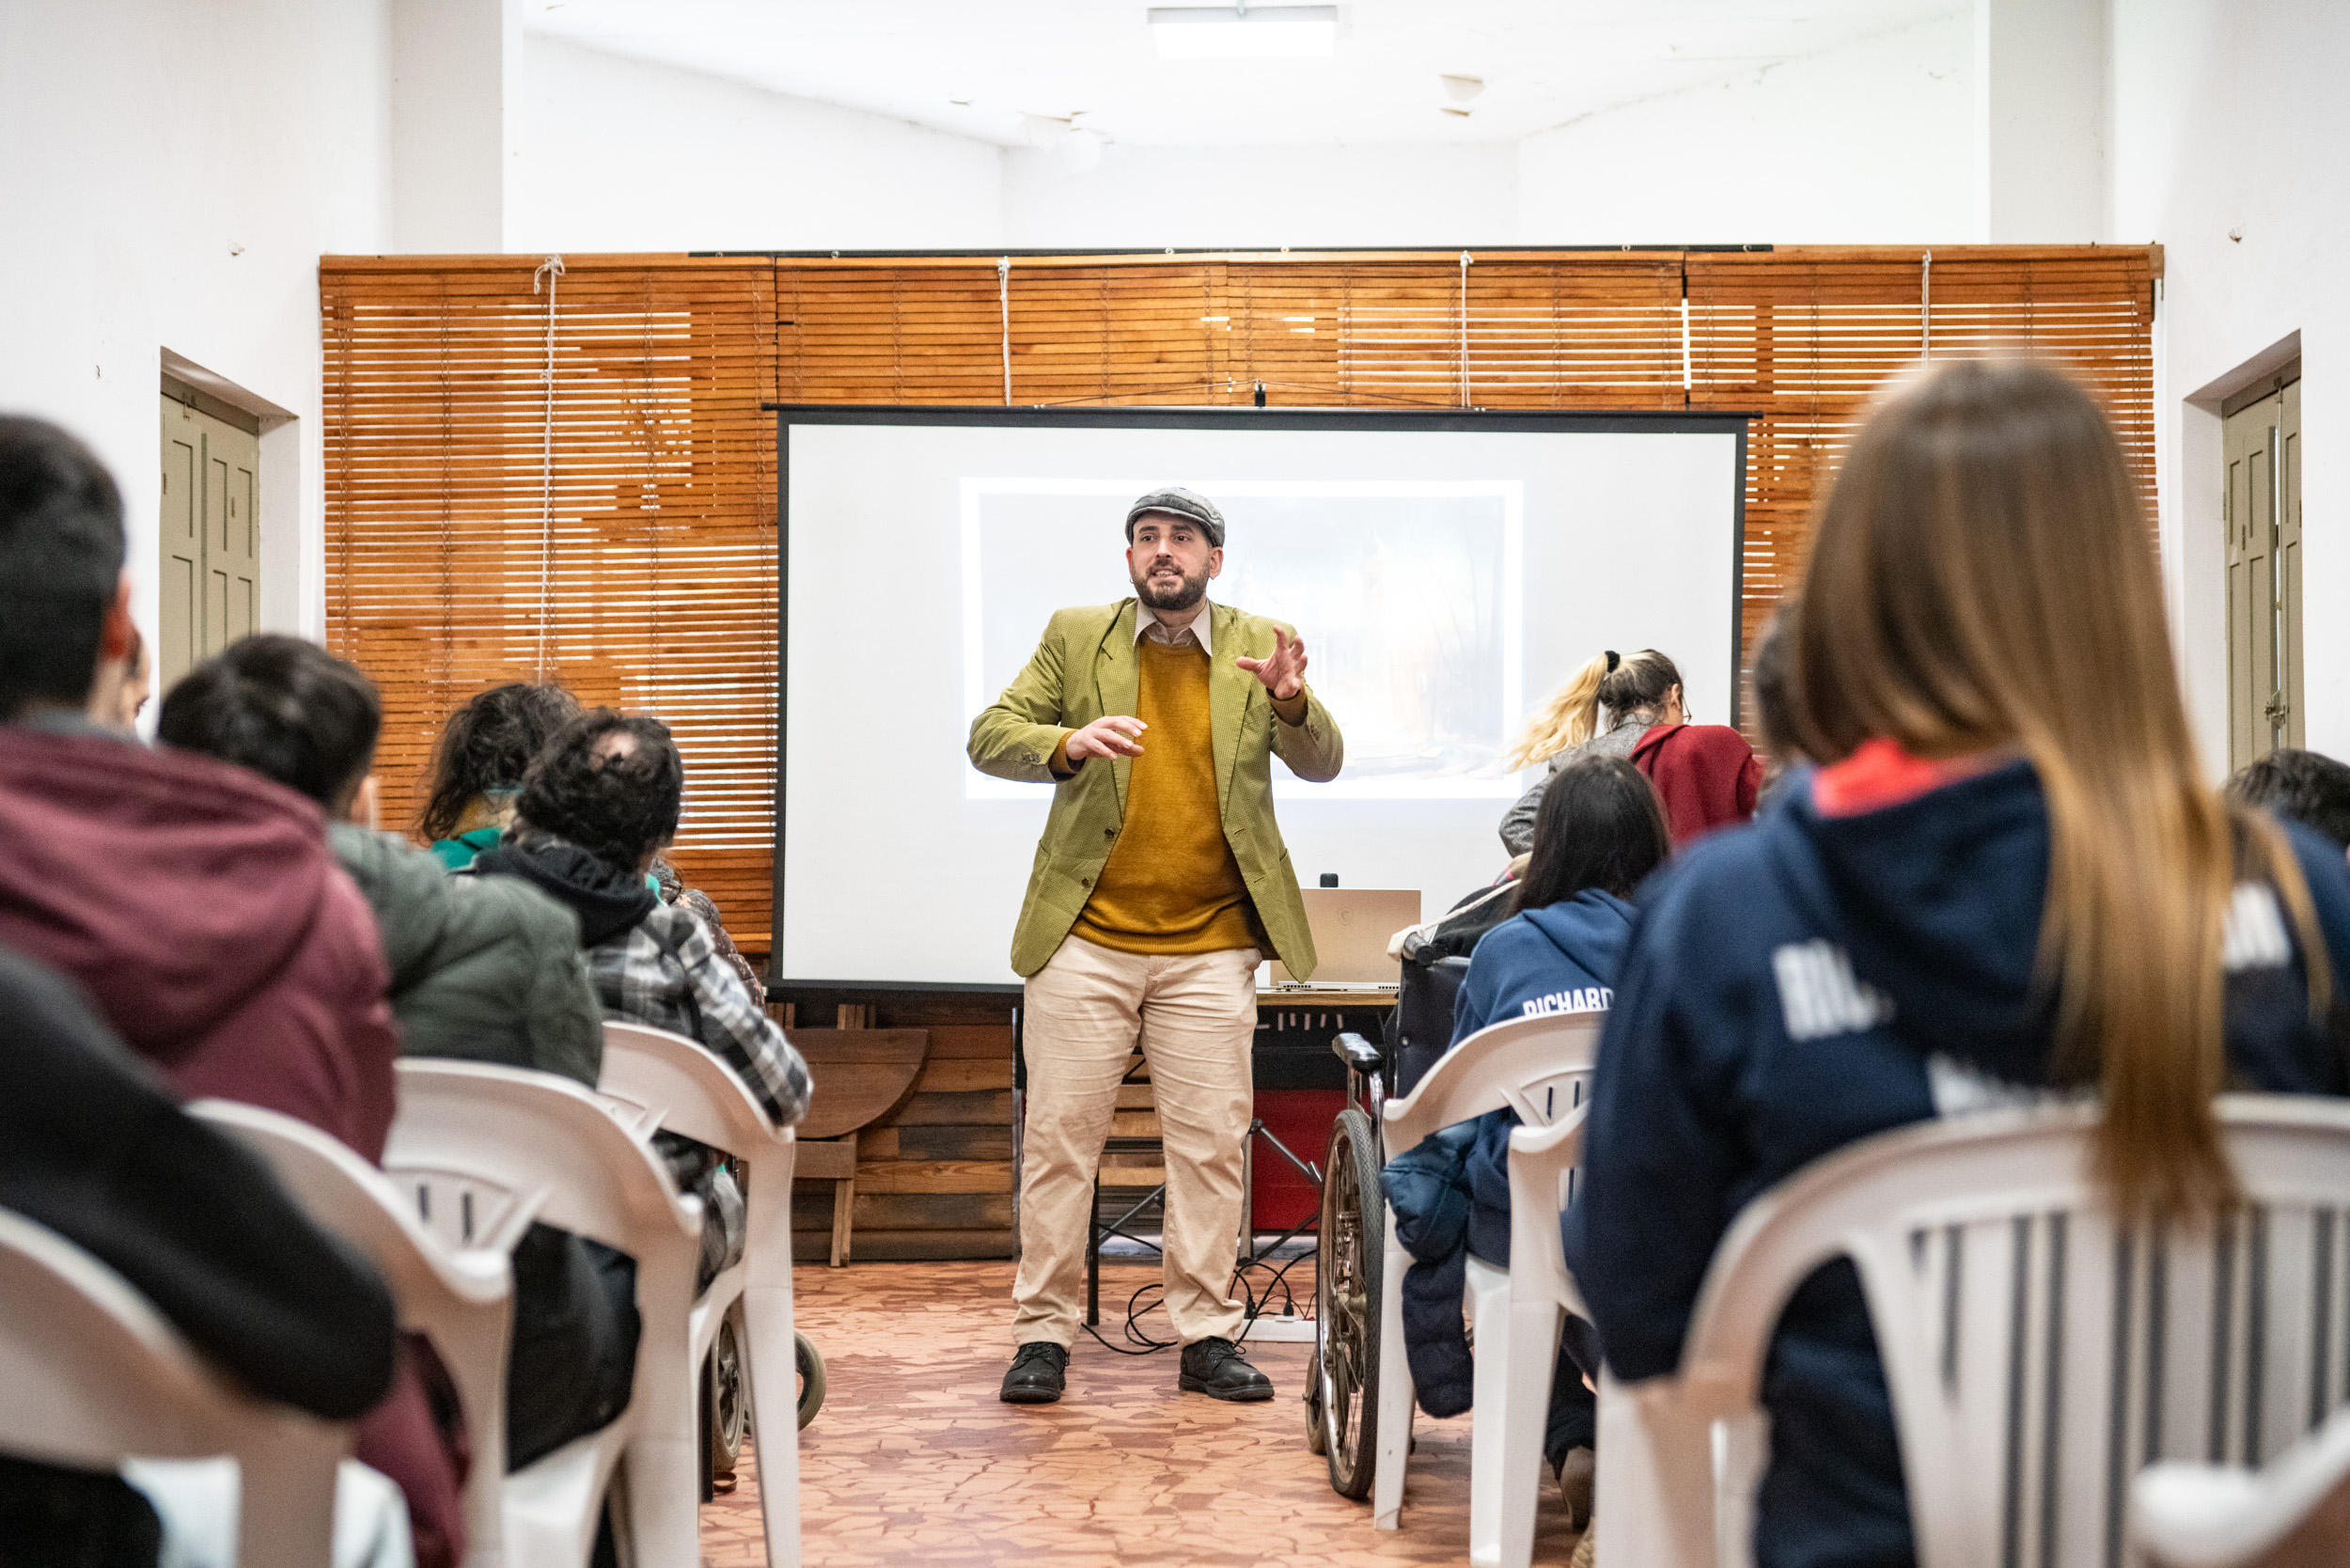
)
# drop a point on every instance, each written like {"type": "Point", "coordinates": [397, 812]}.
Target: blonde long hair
{"type": "Point", "coordinates": [1620, 684]}
{"type": "Point", "coordinates": [1981, 577]}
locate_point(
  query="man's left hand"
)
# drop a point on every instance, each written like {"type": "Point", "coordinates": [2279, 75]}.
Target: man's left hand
{"type": "Point", "coordinates": [1284, 672]}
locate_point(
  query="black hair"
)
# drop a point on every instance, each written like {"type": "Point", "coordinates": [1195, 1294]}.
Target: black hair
{"type": "Point", "coordinates": [61, 552]}
{"type": "Point", "coordinates": [615, 808]}
{"type": "Point", "coordinates": [1774, 694]}
{"type": "Point", "coordinates": [2306, 787]}
{"type": "Point", "coordinates": [1636, 681]}
{"type": "Point", "coordinates": [488, 745]}
{"type": "Point", "coordinates": [285, 708]}
{"type": "Point", "coordinates": [1600, 826]}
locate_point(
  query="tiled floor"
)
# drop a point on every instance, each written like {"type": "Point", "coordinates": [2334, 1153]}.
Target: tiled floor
{"type": "Point", "coordinates": [914, 1459]}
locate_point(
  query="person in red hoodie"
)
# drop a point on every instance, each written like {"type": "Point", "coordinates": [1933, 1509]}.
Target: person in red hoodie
{"type": "Point", "coordinates": [196, 903]}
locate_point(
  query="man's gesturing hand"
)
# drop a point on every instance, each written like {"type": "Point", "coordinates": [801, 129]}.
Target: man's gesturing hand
{"type": "Point", "coordinates": [1284, 673]}
{"type": "Point", "coordinates": [1108, 736]}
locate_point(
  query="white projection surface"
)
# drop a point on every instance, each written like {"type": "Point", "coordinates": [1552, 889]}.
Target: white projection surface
{"type": "Point", "coordinates": [1445, 581]}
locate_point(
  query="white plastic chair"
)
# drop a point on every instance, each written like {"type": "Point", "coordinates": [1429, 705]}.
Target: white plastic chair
{"type": "Point", "coordinates": [461, 1300]}
{"type": "Point", "coordinates": [95, 1375]}
{"type": "Point", "coordinates": [2039, 1355]}
{"type": "Point", "coordinates": [1538, 1067]}
{"type": "Point", "coordinates": [2297, 1508]}
{"type": "Point", "coordinates": [684, 1089]}
{"type": "Point", "coordinates": [485, 1151]}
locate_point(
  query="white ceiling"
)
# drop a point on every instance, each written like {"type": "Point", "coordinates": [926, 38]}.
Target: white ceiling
{"type": "Point", "coordinates": [1544, 62]}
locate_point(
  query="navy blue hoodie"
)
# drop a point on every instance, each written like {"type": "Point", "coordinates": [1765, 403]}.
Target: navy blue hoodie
{"type": "Point", "coordinates": [1560, 957]}
{"type": "Point", "coordinates": [1788, 989]}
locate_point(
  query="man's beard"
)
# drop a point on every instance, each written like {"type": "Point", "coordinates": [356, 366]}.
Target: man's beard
{"type": "Point", "coordinates": [1183, 598]}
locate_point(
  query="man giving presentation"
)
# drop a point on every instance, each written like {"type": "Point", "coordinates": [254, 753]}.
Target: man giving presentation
{"type": "Point", "coordinates": [1160, 884]}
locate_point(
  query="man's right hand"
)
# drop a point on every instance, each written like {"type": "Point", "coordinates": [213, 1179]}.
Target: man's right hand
{"type": "Point", "coordinates": [1109, 736]}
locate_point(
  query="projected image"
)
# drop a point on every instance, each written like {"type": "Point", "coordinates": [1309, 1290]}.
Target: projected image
{"type": "Point", "coordinates": [1406, 592]}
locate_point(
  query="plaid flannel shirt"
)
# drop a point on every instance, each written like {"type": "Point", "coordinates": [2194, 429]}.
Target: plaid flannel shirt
{"type": "Point", "coordinates": [664, 972]}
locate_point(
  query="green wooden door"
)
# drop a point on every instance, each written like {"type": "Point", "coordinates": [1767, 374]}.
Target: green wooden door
{"type": "Point", "coordinates": [2263, 529]}
{"type": "Point", "coordinates": [209, 579]}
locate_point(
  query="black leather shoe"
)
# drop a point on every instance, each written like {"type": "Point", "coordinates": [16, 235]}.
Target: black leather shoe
{"type": "Point", "coordinates": [1038, 1373]}
{"type": "Point", "coordinates": [1216, 1369]}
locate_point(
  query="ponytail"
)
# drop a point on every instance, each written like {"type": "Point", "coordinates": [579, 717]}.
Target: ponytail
{"type": "Point", "coordinates": [1568, 719]}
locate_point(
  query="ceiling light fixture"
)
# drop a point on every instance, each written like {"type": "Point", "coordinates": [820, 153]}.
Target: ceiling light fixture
{"type": "Point", "coordinates": [1243, 31]}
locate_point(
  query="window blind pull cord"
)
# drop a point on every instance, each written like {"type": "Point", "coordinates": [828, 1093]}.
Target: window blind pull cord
{"type": "Point", "coordinates": [1003, 303]}
{"type": "Point", "coordinates": [1925, 309]}
{"type": "Point", "coordinates": [549, 270]}
{"type": "Point", "coordinates": [1466, 260]}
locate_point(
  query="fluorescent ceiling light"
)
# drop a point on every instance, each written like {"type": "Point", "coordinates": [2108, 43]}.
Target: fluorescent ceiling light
{"type": "Point", "coordinates": [1244, 32]}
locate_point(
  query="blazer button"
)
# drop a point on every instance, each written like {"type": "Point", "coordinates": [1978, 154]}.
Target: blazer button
{"type": "Point", "coordinates": [1109, 833]}
{"type": "Point", "coordinates": [1084, 882]}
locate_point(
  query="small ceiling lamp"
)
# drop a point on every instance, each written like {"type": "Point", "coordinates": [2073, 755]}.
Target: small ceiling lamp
{"type": "Point", "coordinates": [1244, 32]}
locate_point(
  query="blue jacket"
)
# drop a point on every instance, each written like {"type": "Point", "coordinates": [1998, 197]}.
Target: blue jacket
{"type": "Point", "coordinates": [1451, 1193]}
{"type": "Point", "coordinates": [1923, 919]}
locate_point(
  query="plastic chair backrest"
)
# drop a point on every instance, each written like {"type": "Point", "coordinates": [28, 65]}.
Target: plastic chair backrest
{"type": "Point", "coordinates": [1539, 1067]}
{"type": "Point", "coordinates": [487, 1149]}
{"type": "Point", "coordinates": [96, 1376]}
{"type": "Point", "coordinates": [461, 1301]}
{"type": "Point", "coordinates": [2039, 1353]}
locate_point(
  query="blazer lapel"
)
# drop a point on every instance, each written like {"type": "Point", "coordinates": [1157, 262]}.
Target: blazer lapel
{"type": "Point", "coordinates": [1117, 684]}
{"type": "Point", "coordinates": [1230, 688]}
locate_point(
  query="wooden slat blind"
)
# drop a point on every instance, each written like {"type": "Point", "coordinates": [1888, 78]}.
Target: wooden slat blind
{"type": "Point", "coordinates": [661, 588]}
{"type": "Point", "coordinates": [658, 587]}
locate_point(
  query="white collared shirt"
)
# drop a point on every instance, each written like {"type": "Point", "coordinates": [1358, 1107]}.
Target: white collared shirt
{"type": "Point", "coordinates": [1146, 617]}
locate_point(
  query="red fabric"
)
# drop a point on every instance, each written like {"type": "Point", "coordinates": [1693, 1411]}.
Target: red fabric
{"type": "Point", "coordinates": [402, 1438]}
{"type": "Point", "coordinates": [1880, 774]}
{"type": "Point", "coordinates": [1705, 774]}
{"type": "Point", "coordinates": [199, 907]}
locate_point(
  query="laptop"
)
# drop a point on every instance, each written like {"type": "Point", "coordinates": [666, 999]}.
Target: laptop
{"type": "Point", "coordinates": [1351, 927]}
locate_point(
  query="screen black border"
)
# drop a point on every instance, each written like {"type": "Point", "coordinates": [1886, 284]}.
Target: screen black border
{"type": "Point", "coordinates": [1181, 417]}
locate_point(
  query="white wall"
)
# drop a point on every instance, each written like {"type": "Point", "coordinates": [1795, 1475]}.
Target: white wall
{"type": "Point", "coordinates": [1869, 143]}
{"type": "Point", "coordinates": [2229, 120]}
{"type": "Point", "coordinates": [1263, 198]}
{"type": "Point", "coordinates": [614, 154]}
{"type": "Point", "coordinates": [2041, 74]}
{"type": "Point", "coordinates": [175, 168]}
{"type": "Point", "coordinates": [456, 67]}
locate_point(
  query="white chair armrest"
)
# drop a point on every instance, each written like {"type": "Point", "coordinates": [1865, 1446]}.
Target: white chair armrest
{"type": "Point", "coordinates": [2187, 1515]}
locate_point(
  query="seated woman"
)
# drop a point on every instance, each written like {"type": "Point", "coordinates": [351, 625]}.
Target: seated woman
{"type": "Point", "coordinates": [1706, 775]}
{"type": "Point", "coordinates": [2007, 873]}
{"type": "Point", "coordinates": [1600, 831]}
{"type": "Point", "coordinates": [478, 767]}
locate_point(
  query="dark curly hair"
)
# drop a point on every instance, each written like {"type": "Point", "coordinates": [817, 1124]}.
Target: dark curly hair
{"type": "Point", "coordinates": [488, 745]}
{"type": "Point", "coordinates": [2305, 786]}
{"type": "Point", "coordinates": [616, 807]}
{"type": "Point", "coordinates": [287, 709]}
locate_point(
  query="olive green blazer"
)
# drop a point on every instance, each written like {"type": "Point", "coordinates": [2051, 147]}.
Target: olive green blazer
{"type": "Point", "coordinates": [1085, 667]}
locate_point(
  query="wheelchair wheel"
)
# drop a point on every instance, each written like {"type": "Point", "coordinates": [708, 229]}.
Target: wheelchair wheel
{"type": "Point", "coordinates": [811, 1367]}
{"type": "Point", "coordinates": [1346, 1304]}
{"type": "Point", "coordinates": [730, 1414]}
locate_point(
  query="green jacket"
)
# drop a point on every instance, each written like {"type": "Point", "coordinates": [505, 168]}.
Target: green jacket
{"type": "Point", "coordinates": [483, 968]}
{"type": "Point", "coordinates": [1085, 667]}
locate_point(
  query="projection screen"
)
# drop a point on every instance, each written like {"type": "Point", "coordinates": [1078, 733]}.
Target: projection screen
{"type": "Point", "coordinates": [1447, 572]}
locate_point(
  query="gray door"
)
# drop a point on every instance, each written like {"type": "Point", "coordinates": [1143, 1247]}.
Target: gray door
{"type": "Point", "coordinates": [2264, 527]}
{"type": "Point", "coordinates": [209, 577]}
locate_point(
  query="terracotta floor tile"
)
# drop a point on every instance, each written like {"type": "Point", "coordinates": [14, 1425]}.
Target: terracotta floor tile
{"type": "Point", "coordinates": [913, 1460]}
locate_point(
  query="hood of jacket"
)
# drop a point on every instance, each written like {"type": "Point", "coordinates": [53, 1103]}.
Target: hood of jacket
{"type": "Point", "coordinates": [607, 899]}
{"type": "Point", "coordinates": [1940, 899]}
{"type": "Point", "coordinates": [1589, 930]}
{"type": "Point", "coordinates": [176, 887]}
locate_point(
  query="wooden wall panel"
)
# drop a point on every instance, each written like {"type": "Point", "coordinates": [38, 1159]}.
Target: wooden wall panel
{"type": "Point", "coordinates": [659, 586]}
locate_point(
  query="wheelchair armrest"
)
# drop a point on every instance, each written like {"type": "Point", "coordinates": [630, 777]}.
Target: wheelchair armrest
{"type": "Point", "coordinates": [1359, 1055]}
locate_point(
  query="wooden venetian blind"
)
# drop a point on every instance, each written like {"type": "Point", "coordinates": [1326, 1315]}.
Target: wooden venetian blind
{"type": "Point", "coordinates": [660, 589]}
{"type": "Point", "coordinates": [610, 527]}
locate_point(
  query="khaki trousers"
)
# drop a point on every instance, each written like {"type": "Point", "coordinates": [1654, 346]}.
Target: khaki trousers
{"type": "Point", "coordinates": [1196, 1020]}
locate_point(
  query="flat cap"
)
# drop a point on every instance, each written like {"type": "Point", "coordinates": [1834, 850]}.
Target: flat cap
{"type": "Point", "coordinates": [1189, 505]}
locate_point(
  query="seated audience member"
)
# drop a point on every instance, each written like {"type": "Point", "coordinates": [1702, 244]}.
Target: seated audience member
{"type": "Point", "coordinates": [199, 907]}
{"type": "Point", "coordinates": [597, 805]}
{"type": "Point", "coordinates": [1603, 710]}
{"type": "Point", "coordinates": [2005, 875]}
{"type": "Point", "coordinates": [1599, 833]}
{"type": "Point", "coordinates": [2305, 786]}
{"type": "Point", "coordinates": [94, 1148]}
{"type": "Point", "coordinates": [483, 968]}
{"type": "Point", "coordinates": [478, 766]}
{"type": "Point", "coordinates": [1774, 710]}
{"type": "Point", "coordinates": [486, 969]}
{"type": "Point", "coordinates": [672, 888]}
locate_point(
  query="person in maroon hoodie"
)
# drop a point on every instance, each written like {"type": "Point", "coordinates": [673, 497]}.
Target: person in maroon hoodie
{"type": "Point", "coordinates": [196, 904]}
